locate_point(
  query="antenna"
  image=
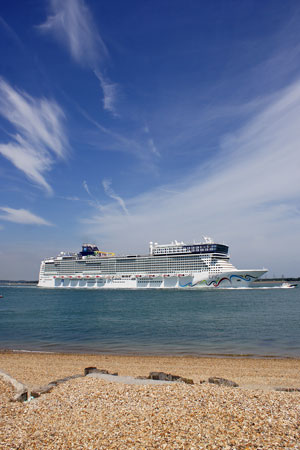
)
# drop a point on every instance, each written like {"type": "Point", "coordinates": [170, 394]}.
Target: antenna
{"type": "Point", "coordinates": [207, 240]}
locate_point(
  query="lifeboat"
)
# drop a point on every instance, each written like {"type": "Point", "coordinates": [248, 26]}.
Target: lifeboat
{"type": "Point", "coordinates": [166, 275]}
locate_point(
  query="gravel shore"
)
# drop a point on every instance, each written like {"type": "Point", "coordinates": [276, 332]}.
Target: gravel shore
{"type": "Point", "coordinates": [89, 413]}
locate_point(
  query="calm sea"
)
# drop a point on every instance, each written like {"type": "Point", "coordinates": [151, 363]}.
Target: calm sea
{"type": "Point", "coordinates": [162, 322]}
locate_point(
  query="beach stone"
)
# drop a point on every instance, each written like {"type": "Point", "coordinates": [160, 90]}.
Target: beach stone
{"type": "Point", "coordinates": [21, 391]}
{"type": "Point", "coordinates": [283, 389]}
{"type": "Point", "coordinates": [21, 396]}
{"type": "Point", "coordinates": [88, 370]}
{"type": "Point", "coordinates": [36, 392]}
{"type": "Point", "coordinates": [162, 376]}
{"type": "Point", "coordinates": [127, 379]}
{"type": "Point", "coordinates": [222, 382]}
{"type": "Point", "coordinates": [186, 380]}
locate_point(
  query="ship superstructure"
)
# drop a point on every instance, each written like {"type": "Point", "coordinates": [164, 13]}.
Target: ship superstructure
{"type": "Point", "coordinates": [174, 265]}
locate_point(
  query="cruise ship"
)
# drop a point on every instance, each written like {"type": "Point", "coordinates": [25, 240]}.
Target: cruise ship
{"type": "Point", "coordinates": [175, 265]}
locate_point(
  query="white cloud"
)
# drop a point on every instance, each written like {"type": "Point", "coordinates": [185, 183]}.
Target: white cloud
{"type": "Point", "coordinates": [111, 193]}
{"type": "Point", "coordinates": [93, 200]}
{"type": "Point", "coordinates": [150, 141]}
{"type": "Point", "coordinates": [247, 195]}
{"type": "Point", "coordinates": [110, 91]}
{"type": "Point", "coordinates": [153, 147]}
{"type": "Point", "coordinates": [72, 24]}
{"type": "Point", "coordinates": [86, 188]}
{"type": "Point", "coordinates": [70, 198]}
{"type": "Point", "coordinates": [21, 216]}
{"type": "Point", "coordinates": [39, 137]}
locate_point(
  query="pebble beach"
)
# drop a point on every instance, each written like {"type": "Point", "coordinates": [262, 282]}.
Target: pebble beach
{"type": "Point", "coordinates": [90, 413]}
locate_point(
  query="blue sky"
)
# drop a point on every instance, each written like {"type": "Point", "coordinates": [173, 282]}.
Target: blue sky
{"type": "Point", "coordinates": [128, 122]}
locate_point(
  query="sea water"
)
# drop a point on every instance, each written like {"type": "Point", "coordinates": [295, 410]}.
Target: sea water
{"type": "Point", "coordinates": [257, 322]}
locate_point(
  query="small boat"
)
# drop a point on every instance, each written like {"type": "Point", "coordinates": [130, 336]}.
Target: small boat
{"type": "Point", "coordinates": [288, 285]}
{"type": "Point", "coordinates": [1, 296]}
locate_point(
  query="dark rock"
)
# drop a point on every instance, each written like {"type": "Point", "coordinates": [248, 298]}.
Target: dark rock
{"type": "Point", "coordinates": [222, 382]}
{"type": "Point", "coordinates": [288, 389]}
{"type": "Point", "coordinates": [186, 380]}
{"type": "Point", "coordinates": [36, 392]}
{"type": "Point", "coordinates": [88, 370]}
{"type": "Point", "coordinates": [162, 376]}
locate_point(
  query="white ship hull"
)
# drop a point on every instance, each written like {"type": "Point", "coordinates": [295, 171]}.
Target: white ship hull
{"type": "Point", "coordinates": [170, 266]}
{"type": "Point", "coordinates": [231, 279]}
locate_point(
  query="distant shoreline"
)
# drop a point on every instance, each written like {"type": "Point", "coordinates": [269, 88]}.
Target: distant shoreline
{"type": "Point", "coordinates": [86, 353]}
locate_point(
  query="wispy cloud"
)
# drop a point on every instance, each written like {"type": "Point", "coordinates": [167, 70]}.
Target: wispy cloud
{"type": "Point", "coordinates": [10, 32]}
{"type": "Point", "coordinates": [72, 24]}
{"type": "Point", "coordinates": [93, 200]}
{"type": "Point", "coordinates": [111, 193]}
{"type": "Point", "coordinates": [86, 188]}
{"type": "Point", "coordinates": [112, 140]}
{"type": "Point", "coordinates": [39, 135]}
{"type": "Point", "coordinates": [153, 147]}
{"type": "Point", "coordinates": [22, 216]}
{"type": "Point", "coordinates": [70, 198]}
{"type": "Point", "coordinates": [110, 92]}
{"type": "Point", "coordinates": [151, 144]}
{"type": "Point", "coordinates": [247, 195]}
